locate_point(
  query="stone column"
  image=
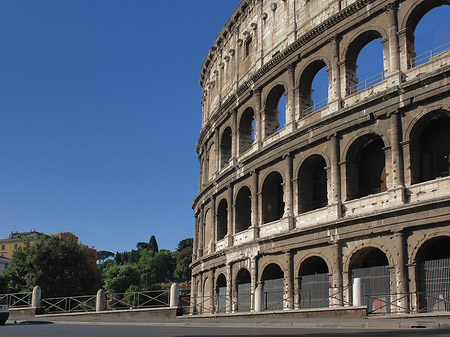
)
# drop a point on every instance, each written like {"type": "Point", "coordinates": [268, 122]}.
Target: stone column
{"type": "Point", "coordinates": [289, 282]}
{"type": "Point", "coordinates": [397, 159]}
{"type": "Point", "coordinates": [394, 51]}
{"type": "Point", "coordinates": [200, 169]}
{"type": "Point", "coordinates": [200, 239]}
{"type": "Point", "coordinates": [216, 152]}
{"type": "Point", "coordinates": [290, 112]}
{"type": "Point", "coordinates": [334, 92]}
{"type": "Point", "coordinates": [192, 308]}
{"type": "Point", "coordinates": [335, 195]}
{"type": "Point", "coordinates": [254, 279]}
{"type": "Point", "coordinates": [230, 219]}
{"type": "Point", "coordinates": [413, 287]}
{"type": "Point", "coordinates": [288, 206]}
{"type": "Point", "coordinates": [254, 206]}
{"type": "Point", "coordinates": [234, 137]}
{"type": "Point", "coordinates": [229, 305]}
{"type": "Point", "coordinates": [195, 239]}
{"type": "Point", "coordinates": [336, 295]}
{"type": "Point", "coordinates": [258, 118]}
{"type": "Point", "coordinates": [212, 290]}
{"type": "Point", "coordinates": [213, 225]}
{"type": "Point", "coordinates": [400, 274]}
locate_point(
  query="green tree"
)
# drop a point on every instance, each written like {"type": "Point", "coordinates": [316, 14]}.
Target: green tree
{"type": "Point", "coordinates": [182, 271]}
{"type": "Point", "coordinates": [152, 244]}
{"type": "Point", "coordinates": [119, 278]}
{"type": "Point", "coordinates": [103, 255]}
{"type": "Point", "coordinates": [59, 266]}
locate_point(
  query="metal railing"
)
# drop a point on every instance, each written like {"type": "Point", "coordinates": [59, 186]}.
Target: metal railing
{"type": "Point", "coordinates": [315, 107]}
{"type": "Point", "coordinates": [17, 300]}
{"type": "Point", "coordinates": [371, 81]}
{"type": "Point", "coordinates": [69, 304]}
{"type": "Point", "coordinates": [426, 57]}
{"type": "Point", "coordinates": [138, 300]}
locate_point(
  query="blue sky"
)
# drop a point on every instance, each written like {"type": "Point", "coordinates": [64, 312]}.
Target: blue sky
{"type": "Point", "coordinates": [99, 115]}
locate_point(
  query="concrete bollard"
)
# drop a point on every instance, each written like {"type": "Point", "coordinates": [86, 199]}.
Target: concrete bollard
{"type": "Point", "coordinates": [100, 304]}
{"type": "Point", "coordinates": [357, 292]}
{"type": "Point", "coordinates": [36, 297]}
{"type": "Point", "coordinates": [174, 295]}
{"type": "Point", "coordinates": [259, 298]}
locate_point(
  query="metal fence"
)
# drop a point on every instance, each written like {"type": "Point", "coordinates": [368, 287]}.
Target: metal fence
{"type": "Point", "coordinates": [138, 300]}
{"type": "Point", "coordinates": [371, 81]}
{"type": "Point", "coordinates": [69, 304]}
{"type": "Point", "coordinates": [17, 300]}
{"type": "Point", "coordinates": [428, 56]}
{"type": "Point", "coordinates": [315, 107]}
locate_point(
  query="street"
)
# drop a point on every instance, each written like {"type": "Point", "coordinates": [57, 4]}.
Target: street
{"type": "Point", "coordinates": [108, 330]}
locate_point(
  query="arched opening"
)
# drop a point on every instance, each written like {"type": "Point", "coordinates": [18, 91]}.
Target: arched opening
{"type": "Point", "coordinates": [366, 167]}
{"type": "Point", "coordinates": [272, 198]}
{"type": "Point", "coordinates": [312, 184]}
{"type": "Point", "coordinates": [275, 110]}
{"type": "Point", "coordinates": [430, 147]}
{"type": "Point", "coordinates": [433, 275]}
{"type": "Point", "coordinates": [222, 219]}
{"type": "Point", "coordinates": [207, 227]}
{"type": "Point", "coordinates": [244, 294]}
{"type": "Point", "coordinates": [243, 209]}
{"type": "Point", "coordinates": [371, 264]}
{"type": "Point", "coordinates": [364, 62]}
{"type": "Point", "coordinates": [207, 297]}
{"type": "Point", "coordinates": [314, 283]}
{"type": "Point", "coordinates": [246, 131]}
{"type": "Point", "coordinates": [225, 147]}
{"type": "Point", "coordinates": [313, 88]}
{"type": "Point", "coordinates": [426, 31]}
{"type": "Point", "coordinates": [273, 278]}
{"type": "Point", "coordinates": [221, 293]}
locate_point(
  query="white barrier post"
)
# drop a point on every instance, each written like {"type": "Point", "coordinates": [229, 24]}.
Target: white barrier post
{"type": "Point", "coordinates": [259, 297]}
{"type": "Point", "coordinates": [174, 295]}
{"type": "Point", "coordinates": [357, 292]}
{"type": "Point", "coordinates": [36, 297]}
{"type": "Point", "coordinates": [100, 300]}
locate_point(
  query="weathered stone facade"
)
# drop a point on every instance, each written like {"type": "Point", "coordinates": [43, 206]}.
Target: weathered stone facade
{"type": "Point", "coordinates": [340, 191]}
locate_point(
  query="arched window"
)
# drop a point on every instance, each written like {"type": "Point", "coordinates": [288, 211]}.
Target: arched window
{"type": "Point", "coordinates": [426, 31]}
{"type": "Point", "coordinates": [275, 110]}
{"type": "Point", "coordinates": [273, 278]}
{"type": "Point", "coordinates": [314, 283]}
{"type": "Point", "coordinates": [364, 62]}
{"type": "Point", "coordinates": [312, 184]}
{"type": "Point", "coordinates": [272, 198]}
{"type": "Point", "coordinates": [221, 293]}
{"type": "Point", "coordinates": [313, 88]}
{"type": "Point", "coordinates": [246, 130]}
{"type": "Point", "coordinates": [207, 226]}
{"type": "Point", "coordinates": [433, 273]}
{"type": "Point", "coordinates": [243, 282]}
{"type": "Point", "coordinates": [366, 168]}
{"type": "Point", "coordinates": [243, 209]}
{"type": "Point", "coordinates": [222, 219]}
{"type": "Point", "coordinates": [225, 147]}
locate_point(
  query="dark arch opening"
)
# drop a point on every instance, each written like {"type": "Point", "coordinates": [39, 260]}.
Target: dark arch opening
{"type": "Point", "coordinates": [312, 184]}
{"type": "Point", "coordinates": [243, 209]}
{"type": "Point", "coordinates": [222, 219]}
{"type": "Point", "coordinates": [246, 132]}
{"type": "Point", "coordinates": [313, 88]}
{"type": "Point", "coordinates": [274, 110]}
{"type": "Point", "coordinates": [221, 293]}
{"type": "Point", "coordinates": [225, 147]}
{"type": "Point", "coordinates": [273, 278]}
{"type": "Point", "coordinates": [366, 167]}
{"type": "Point", "coordinates": [314, 283]}
{"type": "Point", "coordinates": [426, 31]}
{"type": "Point", "coordinates": [364, 62]}
{"type": "Point", "coordinates": [272, 198]}
{"type": "Point", "coordinates": [243, 283]}
{"type": "Point", "coordinates": [433, 275]}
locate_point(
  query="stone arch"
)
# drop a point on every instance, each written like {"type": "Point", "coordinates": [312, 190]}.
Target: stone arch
{"type": "Point", "coordinates": [427, 237]}
{"type": "Point", "coordinates": [430, 146]}
{"type": "Point", "coordinates": [246, 132]}
{"type": "Point", "coordinates": [365, 166]}
{"type": "Point", "coordinates": [351, 52]}
{"type": "Point", "coordinates": [314, 283]}
{"type": "Point", "coordinates": [271, 111]}
{"type": "Point", "coordinates": [225, 146]}
{"type": "Point", "coordinates": [273, 278]}
{"type": "Point", "coordinates": [221, 293]}
{"type": "Point", "coordinates": [313, 254]}
{"type": "Point", "coordinates": [307, 75]}
{"type": "Point", "coordinates": [412, 19]}
{"type": "Point", "coordinates": [243, 209]}
{"type": "Point", "coordinates": [222, 219]}
{"type": "Point", "coordinates": [243, 290]}
{"type": "Point", "coordinates": [207, 296]}
{"type": "Point", "coordinates": [346, 259]}
{"type": "Point", "coordinates": [312, 184]}
{"type": "Point", "coordinates": [272, 197]}
{"type": "Point", "coordinates": [207, 230]}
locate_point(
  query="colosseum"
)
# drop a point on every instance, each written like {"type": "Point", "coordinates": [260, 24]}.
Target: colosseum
{"type": "Point", "coordinates": [300, 196]}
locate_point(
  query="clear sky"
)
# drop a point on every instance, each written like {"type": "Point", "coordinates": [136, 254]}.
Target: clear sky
{"type": "Point", "coordinates": [100, 112]}
{"type": "Point", "coordinates": [99, 115]}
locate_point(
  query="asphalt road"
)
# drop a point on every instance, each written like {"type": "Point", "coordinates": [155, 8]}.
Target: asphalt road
{"type": "Point", "coordinates": [68, 330]}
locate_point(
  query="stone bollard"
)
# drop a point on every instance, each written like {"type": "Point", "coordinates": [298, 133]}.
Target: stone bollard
{"type": "Point", "coordinates": [174, 295]}
{"type": "Point", "coordinates": [259, 298]}
{"type": "Point", "coordinates": [36, 297]}
{"type": "Point", "coordinates": [357, 292]}
{"type": "Point", "coordinates": [100, 301]}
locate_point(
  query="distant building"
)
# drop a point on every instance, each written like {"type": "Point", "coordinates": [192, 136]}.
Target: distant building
{"type": "Point", "coordinates": [16, 240]}
{"type": "Point", "coordinates": [3, 264]}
